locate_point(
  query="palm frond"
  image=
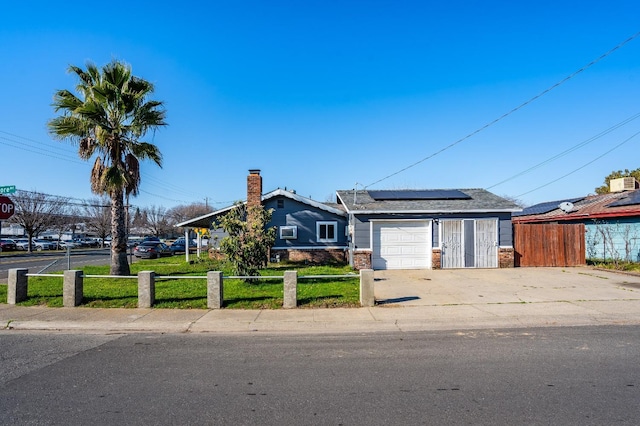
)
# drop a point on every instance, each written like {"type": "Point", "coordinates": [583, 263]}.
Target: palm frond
{"type": "Point", "coordinates": [97, 177]}
{"type": "Point", "coordinates": [147, 151]}
{"type": "Point", "coordinates": [117, 73]}
{"type": "Point", "coordinates": [113, 178]}
{"type": "Point", "coordinates": [132, 167]}
{"type": "Point", "coordinates": [67, 127]}
{"type": "Point", "coordinates": [65, 100]}
{"type": "Point", "coordinates": [86, 148]}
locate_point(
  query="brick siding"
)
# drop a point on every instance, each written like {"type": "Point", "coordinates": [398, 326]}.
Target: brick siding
{"type": "Point", "coordinates": [314, 257]}
{"type": "Point", "coordinates": [506, 258]}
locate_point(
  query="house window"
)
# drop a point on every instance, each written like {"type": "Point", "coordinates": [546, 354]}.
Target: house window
{"type": "Point", "coordinates": [281, 204]}
{"type": "Point", "coordinates": [288, 232]}
{"type": "Point", "coordinates": [326, 232]}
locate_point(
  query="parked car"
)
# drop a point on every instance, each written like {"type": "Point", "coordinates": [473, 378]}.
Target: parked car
{"type": "Point", "coordinates": [87, 242]}
{"type": "Point", "coordinates": [8, 245]}
{"type": "Point", "coordinates": [40, 245]}
{"type": "Point", "coordinates": [152, 250]}
{"type": "Point", "coordinates": [57, 245]}
{"type": "Point", "coordinates": [178, 245]}
{"type": "Point", "coordinates": [22, 244]}
{"type": "Point", "coordinates": [64, 244]}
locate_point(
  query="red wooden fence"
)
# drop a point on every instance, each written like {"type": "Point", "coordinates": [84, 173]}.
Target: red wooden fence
{"type": "Point", "coordinates": [549, 244]}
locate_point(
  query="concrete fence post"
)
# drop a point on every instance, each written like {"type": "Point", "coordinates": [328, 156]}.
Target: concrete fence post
{"type": "Point", "coordinates": [367, 297]}
{"type": "Point", "coordinates": [72, 288]}
{"type": "Point", "coordinates": [17, 284]}
{"type": "Point", "coordinates": [146, 289]}
{"type": "Point", "coordinates": [215, 292]}
{"type": "Point", "coordinates": [290, 289]}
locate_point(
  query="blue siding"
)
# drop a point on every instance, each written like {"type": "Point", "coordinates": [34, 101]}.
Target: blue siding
{"type": "Point", "coordinates": [361, 232]}
{"type": "Point", "coordinates": [304, 217]}
{"type": "Point", "coordinates": [363, 235]}
{"type": "Point", "coordinates": [615, 239]}
{"type": "Point", "coordinates": [505, 230]}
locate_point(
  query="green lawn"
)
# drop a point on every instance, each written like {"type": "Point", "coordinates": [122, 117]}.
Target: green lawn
{"type": "Point", "coordinates": [192, 293]}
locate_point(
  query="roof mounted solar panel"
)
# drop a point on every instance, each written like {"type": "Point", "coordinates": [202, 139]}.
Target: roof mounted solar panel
{"type": "Point", "coordinates": [426, 194]}
{"type": "Point", "coordinates": [631, 199]}
{"type": "Point", "coordinates": [543, 208]}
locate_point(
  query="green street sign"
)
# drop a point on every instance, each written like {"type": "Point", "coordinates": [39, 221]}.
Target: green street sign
{"type": "Point", "coordinates": [7, 189]}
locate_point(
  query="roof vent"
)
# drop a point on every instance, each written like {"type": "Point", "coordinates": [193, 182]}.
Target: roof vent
{"type": "Point", "coordinates": [623, 184]}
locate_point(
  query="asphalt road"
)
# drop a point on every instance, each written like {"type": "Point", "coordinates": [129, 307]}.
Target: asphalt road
{"type": "Point", "coordinates": [568, 376]}
{"type": "Point", "coordinates": [53, 260]}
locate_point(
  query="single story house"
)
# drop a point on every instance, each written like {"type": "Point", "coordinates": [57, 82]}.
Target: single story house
{"type": "Point", "coordinates": [425, 229]}
{"type": "Point", "coordinates": [400, 229]}
{"type": "Point", "coordinates": [611, 221]}
{"type": "Point", "coordinates": [307, 230]}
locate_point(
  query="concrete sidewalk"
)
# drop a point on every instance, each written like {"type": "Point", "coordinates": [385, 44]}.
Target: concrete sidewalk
{"type": "Point", "coordinates": [407, 301]}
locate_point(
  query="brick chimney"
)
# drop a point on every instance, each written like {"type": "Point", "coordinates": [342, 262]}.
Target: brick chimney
{"type": "Point", "coordinates": [254, 188]}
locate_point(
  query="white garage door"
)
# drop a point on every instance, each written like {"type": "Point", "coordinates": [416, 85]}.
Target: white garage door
{"type": "Point", "coordinates": [401, 245]}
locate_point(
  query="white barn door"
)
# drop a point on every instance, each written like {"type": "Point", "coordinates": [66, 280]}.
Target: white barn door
{"type": "Point", "coordinates": [469, 243]}
{"type": "Point", "coordinates": [486, 243]}
{"type": "Point", "coordinates": [452, 254]}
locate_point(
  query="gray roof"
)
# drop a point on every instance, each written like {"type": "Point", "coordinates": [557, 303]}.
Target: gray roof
{"type": "Point", "coordinates": [480, 201]}
{"type": "Point", "coordinates": [206, 220]}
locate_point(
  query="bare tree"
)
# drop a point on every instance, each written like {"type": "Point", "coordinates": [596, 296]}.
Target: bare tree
{"type": "Point", "coordinates": [37, 212]}
{"type": "Point", "coordinates": [97, 214]}
{"type": "Point", "coordinates": [515, 200]}
{"type": "Point", "coordinates": [185, 212]}
{"type": "Point", "coordinates": [592, 242]}
{"type": "Point", "coordinates": [66, 222]}
{"type": "Point", "coordinates": [158, 221]}
{"type": "Point", "coordinates": [615, 238]}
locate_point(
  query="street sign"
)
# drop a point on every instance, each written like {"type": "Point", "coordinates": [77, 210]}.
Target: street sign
{"type": "Point", "coordinates": [7, 208]}
{"type": "Point", "coordinates": [10, 189]}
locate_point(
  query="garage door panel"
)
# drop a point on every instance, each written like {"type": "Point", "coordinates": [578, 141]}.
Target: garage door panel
{"type": "Point", "coordinates": [402, 245]}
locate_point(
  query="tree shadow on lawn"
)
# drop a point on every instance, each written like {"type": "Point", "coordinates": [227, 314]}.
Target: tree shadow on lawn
{"type": "Point", "coordinates": [329, 300]}
{"type": "Point", "coordinates": [256, 302]}
{"type": "Point", "coordinates": [110, 301]}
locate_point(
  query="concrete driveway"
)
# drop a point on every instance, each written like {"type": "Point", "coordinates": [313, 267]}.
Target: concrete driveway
{"type": "Point", "coordinates": [451, 287]}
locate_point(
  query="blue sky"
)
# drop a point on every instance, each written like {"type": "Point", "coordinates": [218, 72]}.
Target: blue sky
{"type": "Point", "coordinates": [328, 95]}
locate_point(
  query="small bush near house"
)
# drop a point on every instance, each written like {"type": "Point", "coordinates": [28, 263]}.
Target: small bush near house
{"type": "Point", "coordinates": [614, 265]}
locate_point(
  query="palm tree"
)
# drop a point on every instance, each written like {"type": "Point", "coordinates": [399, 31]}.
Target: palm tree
{"type": "Point", "coordinates": [107, 120]}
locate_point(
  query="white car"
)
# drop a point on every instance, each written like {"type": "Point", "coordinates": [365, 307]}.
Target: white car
{"type": "Point", "coordinates": [40, 245]}
{"type": "Point", "coordinates": [22, 244]}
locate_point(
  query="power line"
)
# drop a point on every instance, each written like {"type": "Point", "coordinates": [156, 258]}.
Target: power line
{"type": "Point", "coordinates": [581, 167]}
{"type": "Point", "coordinates": [522, 105]}
{"type": "Point", "coordinates": [33, 150]}
{"type": "Point", "coordinates": [82, 202]}
{"type": "Point", "coordinates": [568, 151]}
{"type": "Point", "coordinates": [59, 156]}
{"type": "Point", "coordinates": [58, 146]}
{"type": "Point", "coordinates": [164, 198]}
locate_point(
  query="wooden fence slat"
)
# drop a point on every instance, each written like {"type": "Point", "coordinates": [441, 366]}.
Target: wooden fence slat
{"type": "Point", "coordinates": [549, 244]}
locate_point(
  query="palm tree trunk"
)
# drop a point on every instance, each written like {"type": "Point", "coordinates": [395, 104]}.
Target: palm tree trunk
{"type": "Point", "coordinates": [119, 263]}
